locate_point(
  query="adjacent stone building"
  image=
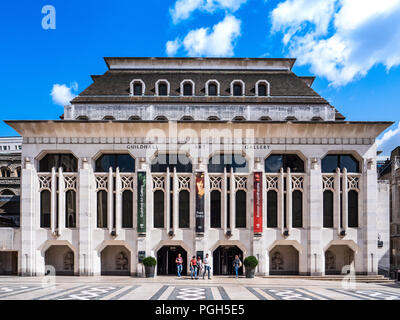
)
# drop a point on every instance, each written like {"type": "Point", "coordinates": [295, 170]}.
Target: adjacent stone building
{"type": "Point", "coordinates": [160, 156]}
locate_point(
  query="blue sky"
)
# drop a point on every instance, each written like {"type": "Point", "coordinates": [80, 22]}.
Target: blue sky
{"type": "Point", "coordinates": [352, 46]}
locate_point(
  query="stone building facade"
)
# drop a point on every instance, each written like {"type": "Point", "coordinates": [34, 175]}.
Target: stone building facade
{"type": "Point", "coordinates": [160, 156]}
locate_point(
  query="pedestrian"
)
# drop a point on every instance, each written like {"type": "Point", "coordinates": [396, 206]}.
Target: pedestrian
{"type": "Point", "coordinates": [179, 262]}
{"type": "Point", "coordinates": [199, 265]}
{"type": "Point", "coordinates": [193, 268]}
{"type": "Point", "coordinates": [207, 267]}
{"type": "Point", "coordinates": [237, 264]}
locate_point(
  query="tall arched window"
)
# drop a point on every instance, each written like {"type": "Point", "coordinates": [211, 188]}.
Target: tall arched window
{"type": "Point", "coordinates": [187, 88]}
{"type": "Point", "coordinates": [124, 162]}
{"type": "Point", "coordinates": [240, 209]}
{"type": "Point", "coordinates": [297, 209]}
{"type": "Point", "coordinates": [127, 209]}
{"type": "Point", "coordinates": [45, 209]}
{"type": "Point", "coordinates": [218, 162]}
{"type": "Point", "coordinates": [212, 88]}
{"type": "Point", "coordinates": [137, 87]}
{"type": "Point", "coordinates": [328, 209]}
{"type": "Point", "coordinates": [215, 209]}
{"type": "Point", "coordinates": [352, 209]}
{"type": "Point", "coordinates": [181, 162]}
{"type": "Point", "coordinates": [277, 161]}
{"type": "Point", "coordinates": [184, 209]}
{"type": "Point", "coordinates": [66, 161]}
{"type": "Point", "coordinates": [158, 207]}
{"type": "Point", "coordinates": [162, 88]}
{"type": "Point", "coordinates": [5, 172]}
{"type": "Point", "coordinates": [237, 88]}
{"type": "Point", "coordinates": [262, 90]}
{"type": "Point", "coordinates": [272, 209]}
{"type": "Point", "coordinates": [333, 161]}
{"type": "Point", "coordinates": [70, 209]}
{"type": "Point", "coordinates": [102, 209]}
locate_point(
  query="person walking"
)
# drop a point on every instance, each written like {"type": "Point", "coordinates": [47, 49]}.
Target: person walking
{"type": "Point", "coordinates": [193, 268]}
{"type": "Point", "coordinates": [207, 267]}
{"type": "Point", "coordinates": [179, 263]}
{"type": "Point", "coordinates": [199, 266]}
{"type": "Point", "coordinates": [237, 264]}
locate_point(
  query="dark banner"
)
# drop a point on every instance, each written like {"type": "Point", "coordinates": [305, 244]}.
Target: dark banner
{"type": "Point", "coordinates": [257, 211]}
{"type": "Point", "coordinates": [200, 202]}
{"type": "Point", "coordinates": [141, 202]}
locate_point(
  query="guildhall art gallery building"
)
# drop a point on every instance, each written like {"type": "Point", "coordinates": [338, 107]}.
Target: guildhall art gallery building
{"type": "Point", "coordinates": [225, 156]}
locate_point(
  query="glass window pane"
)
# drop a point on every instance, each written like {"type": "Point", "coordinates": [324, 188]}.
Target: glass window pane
{"type": "Point", "coordinates": [262, 90]}
{"type": "Point", "coordinates": [218, 162]}
{"type": "Point", "coordinates": [240, 209]}
{"type": "Point", "coordinates": [184, 209]}
{"type": "Point", "coordinates": [45, 209]}
{"type": "Point", "coordinates": [162, 89]}
{"type": "Point", "coordinates": [127, 209]}
{"type": "Point", "coordinates": [237, 89]}
{"type": "Point", "coordinates": [102, 209]}
{"type": "Point", "coordinates": [158, 209]}
{"type": "Point", "coordinates": [212, 90]}
{"type": "Point", "coordinates": [328, 209]}
{"type": "Point", "coordinates": [297, 209]}
{"type": "Point", "coordinates": [293, 162]}
{"type": "Point", "coordinates": [66, 161]}
{"type": "Point", "coordinates": [215, 209]}
{"type": "Point", "coordinates": [349, 162]}
{"type": "Point", "coordinates": [182, 163]}
{"type": "Point", "coordinates": [124, 161]}
{"type": "Point", "coordinates": [272, 209]}
{"type": "Point", "coordinates": [137, 88]}
{"type": "Point", "coordinates": [274, 163]}
{"type": "Point", "coordinates": [353, 209]}
{"type": "Point", "coordinates": [187, 89]}
{"type": "Point", "coordinates": [330, 163]}
{"type": "Point", "coordinates": [70, 209]}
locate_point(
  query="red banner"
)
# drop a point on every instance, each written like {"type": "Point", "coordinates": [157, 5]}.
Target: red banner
{"type": "Point", "coordinates": [257, 212]}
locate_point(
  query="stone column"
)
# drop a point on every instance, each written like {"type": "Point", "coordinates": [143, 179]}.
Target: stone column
{"type": "Point", "coordinates": [224, 197]}
{"type": "Point", "coordinates": [61, 202]}
{"type": "Point", "coordinates": [281, 204]}
{"type": "Point", "coordinates": [315, 255]}
{"type": "Point", "coordinates": [118, 202]}
{"type": "Point", "coordinates": [54, 213]}
{"type": "Point", "coordinates": [110, 198]}
{"type": "Point", "coordinates": [288, 200]}
{"type": "Point", "coordinates": [344, 200]}
{"type": "Point", "coordinates": [232, 201]}
{"type": "Point", "coordinates": [336, 203]}
{"type": "Point", "coordinates": [175, 198]}
{"type": "Point", "coordinates": [167, 201]}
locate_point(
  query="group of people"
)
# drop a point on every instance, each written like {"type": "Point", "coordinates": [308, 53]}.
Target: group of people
{"type": "Point", "coordinates": [198, 265]}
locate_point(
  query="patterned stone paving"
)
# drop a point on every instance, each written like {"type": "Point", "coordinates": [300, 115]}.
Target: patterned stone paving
{"type": "Point", "coordinates": [159, 291]}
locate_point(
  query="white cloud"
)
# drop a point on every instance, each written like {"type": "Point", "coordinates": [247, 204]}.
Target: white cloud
{"type": "Point", "coordinates": [172, 47]}
{"type": "Point", "coordinates": [184, 8]}
{"type": "Point", "coordinates": [62, 95]}
{"type": "Point", "coordinates": [340, 39]}
{"type": "Point", "coordinates": [216, 42]}
{"type": "Point", "coordinates": [389, 141]}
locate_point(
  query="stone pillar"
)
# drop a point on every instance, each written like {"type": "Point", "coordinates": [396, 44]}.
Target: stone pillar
{"type": "Point", "coordinates": [232, 201]}
{"type": "Point", "coordinates": [167, 201]}
{"type": "Point", "coordinates": [288, 200]}
{"type": "Point", "coordinates": [175, 198]}
{"type": "Point", "coordinates": [224, 198]}
{"type": "Point", "coordinates": [336, 203]}
{"type": "Point", "coordinates": [281, 204]}
{"type": "Point", "coordinates": [86, 219]}
{"type": "Point", "coordinates": [61, 202]}
{"type": "Point", "coordinates": [110, 198]}
{"type": "Point", "coordinates": [54, 213]}
{"type": "Point", "coordinates": [344, 200]}
{"type": "Point", "coordinates": [315, 255]}
{"type": "Point", "coordinates": [118, 202]}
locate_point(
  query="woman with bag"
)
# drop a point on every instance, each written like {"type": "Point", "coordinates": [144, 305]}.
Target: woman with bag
{"type": "Point", "coordinates": [193, 268]}
{"type": "Point", "coordinates": [237, 264]}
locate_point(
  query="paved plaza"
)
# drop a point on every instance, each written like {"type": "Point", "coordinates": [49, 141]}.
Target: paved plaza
{"type": "Point", "coordinates": [171, 288]}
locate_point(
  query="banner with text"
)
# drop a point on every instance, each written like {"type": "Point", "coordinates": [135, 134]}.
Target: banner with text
{"type": "Point", "coordinates": [200, 202]}
{"type": "Point", "coordinates": [257, 214]}
{"type": "Point", "coordinates": [141, 202]}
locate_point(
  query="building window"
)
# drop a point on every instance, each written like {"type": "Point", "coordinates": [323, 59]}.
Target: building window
{"type": "Point", "coordinates": [272, 209]}
{"type": "Point", "coordinates": [161, 118]}
{"type": "Point", "coordinates": [187, 118]}
{"type": "Point", "coordinates": [108, 118]}
{"type": "Point", "coordinates": [124, 162]}
{"type": "Point", "coordinates": [187, 88]}
{"type": "Point", "coordinates": [162, 88]}
{"type": "Point", "coordinates": [52, 160]}
{"type": "Point", "coordinates": [277, 161]}
{"type": "Point", "coordinates": [45, 209]}
{"type": "Point", "coordinates": [184, 209]}
{"type": "Point", "coordinates": [215, 209]}
{"type": "Point", "coordinates": [70, 209]}
{"type": "Point", "coordinates": [102, 209]}
{"type": "Point", "coordinates": [240, 209]}
{"type": "Point", "coordinates": [297, 209]}
{"type": "Point", "coordinates": [137, 87]}
{"type": "Point", "coordinates": [212, 88]}
{"type": "Point", "coordinates": [5, 172]}
{"type": "Point", "coordinates": [328, 209]}
{"type": "Point", "coordinates": [218, 162]}
{"type": "Point", "coordinates": [135, 118]}
{"type": "Point", "coordinates": [237, 90]}
{"type": "Point", "coordinates": [181, 162]}
{"type": "Point", "coordinates": [239, 118]}
{"type": "Point", "coordinates": [333, 161]}
{"type": "Point", "coordinates": [352, 207]}
{"type": "Point", "coordinates": [213, 118]}
{"type": "Point", "coordinates": [127, 209]}
{"type": "Point", "coordinates": [158, 208]}
{"type": "Point", "coordinates": [83, 118]}
{"type": "Point", "coordinates": [262, 88]}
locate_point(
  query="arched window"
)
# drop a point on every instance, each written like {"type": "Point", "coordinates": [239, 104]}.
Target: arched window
{"type": "Point", "coordinates": [180, 161]}
{"type": "Point", "coordinates": [162, 88]}
{"type": "Point", "coordinates": [239, 118]}
{"type": "Point", "coordinates": [265, 118]}
{"type": "Point", "coordinates": [7, 192]}
{"type": "Point", "coordinates": [187, 118]}
{"type": "Point", "coordinates": [108, 118]}
{"type": "Point", "coordinates": [158, 205]}
{"type": "Point", "coordinates": [70, 209]}
{"type": "Point", "coordinates": [291, 118]}
{"type": "Point", "coordinates": [328, 209]}
{"type": "Point", "coordinates": [237, 90]}
{"type": "Point", "coordinates": [277, 161]}
{"type": "Point", "coordinates": [352, 208]}
{"type": "Point", "coordinates": [187, 88]}
{"type": "Point", "coordinates": [272, 209]}
{"type": "Point", "coordinates": [215, 209]}
{"type": "Point", "coordinates": [82, 118]}
{"type": "Point", "coordinates": [124, 162]}
{"type": "Point", "coordinates": [212, 88]}
{"type": "Point", "coordinates": [127, 209]}
{"type": "Point", "coordinates": [18, 170]}
{"type": "Point", "coordinates": [213, 118]}
{"type": "Point", "coordinates": [66, 161]}
{"type": "Point", "coordinates": [184, 209]}
{"type": "Point", "coordinates": [218, 162]}
{"type": "Point", "coordinates": [137, 87]}
{"type": "Point", "coordinates": [240, 209]}
{"type": "Point", "coordinates": [297, 209]}
{"type": "Point", "coordinates": [5, 172]}
{"type": "Point", "coordinates": [333, 161]}
{"type": "Point", "coordinates": [262, 88]}
{"type": "Point", "coordinates": [135, 118]}
{"type": "Point", "coordinates": [45, 209]}
{"type": "Point", "coordinates": [161, 118]}
{"type": "Point", "coordinates": [102, 209]}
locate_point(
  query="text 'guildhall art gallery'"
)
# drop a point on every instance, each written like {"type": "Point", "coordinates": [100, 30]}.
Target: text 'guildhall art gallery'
{"type": "Point", "coordinates": [225, 156]}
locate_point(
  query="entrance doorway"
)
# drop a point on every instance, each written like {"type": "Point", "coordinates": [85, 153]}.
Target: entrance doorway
{"type": "Point", "coordinates": [166, 257]}
{"type": "Point", "coordinates": [339, 259]}
{"type": "Point", "coordinates": [284, 260]}
{"type": "Point", "coordinates": [8, 263]}
{"type": "Point", "coordinates": [115, 261]}
{"type": "Point", "coordinates": [61, 258]}
{"type": "Point", "coordinates": [223, 258]}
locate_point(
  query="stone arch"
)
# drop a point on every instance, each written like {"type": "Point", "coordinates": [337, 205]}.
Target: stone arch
{"type": "Point", "coordinates": [116, 258]}
{"type": "Point", "coordinates": [340, 256]}
{"type": "Point", "coordinates": [236, 243]}
{"type": "Point", "coordinates": [56, 253]}
{"type": "Point", "coordinates": [284, 259]}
